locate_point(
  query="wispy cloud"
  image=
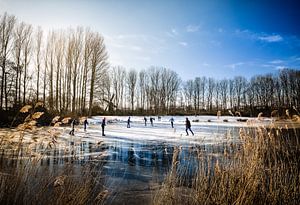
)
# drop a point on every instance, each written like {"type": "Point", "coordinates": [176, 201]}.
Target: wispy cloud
{"type": "Point", "coordinates": [204, 64]}
{"type": "Point", "coordinates": [136, 42]}
{"type": "Point", "coordinates": [268, 38]}
{"type": "Point", "coordinates": [134, 50]}
{"type": "Point", "coordinates": [182, 43]}
{"type": "Point", "coordinates": [192, 28]}
{"type": "Point", "coordinates": [172, 33]}
{"type": "Point", "coordinates": [271, 38]}
{"type": "Point", "coordinates": [266, 65]}
{"type": "Point", "coordinates": [276, 61]}
{"type": "Point", "coordinates": [234, 65]}
{"type": "Point", "coordinates": [280, 67]}
{"type": "Point", "coordinates": [297, 59]}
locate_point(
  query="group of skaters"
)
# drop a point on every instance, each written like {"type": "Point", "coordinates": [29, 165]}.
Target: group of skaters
{"type": "Point", "coordinates": [85, 123]}
{"type": "Point", "coordinates": [103, 124]}
{"type": "Point", "coordinates": [151, 120]}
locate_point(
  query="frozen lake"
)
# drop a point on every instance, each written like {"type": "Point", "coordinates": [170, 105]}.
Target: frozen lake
{"type": "Point", "coordinates": [136, 160]}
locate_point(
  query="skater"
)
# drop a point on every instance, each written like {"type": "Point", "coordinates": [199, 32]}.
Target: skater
{"type": "Point", "coordinates": [145, 119]}
{"type": "Point", "coordinates": [151, 120]}
{"type": "Point", "coordinates": [172, 122]}
{"type": "Point", "coordinates": [73, 127]}
{"type": "Point", "coordinates": [103, 124]}
{"type": "Point", "coordinates": [188, 126]}
{"type": "Point", "coordinates": [128, 122]}
{"type": "Point", "coordinates": [85, 123]}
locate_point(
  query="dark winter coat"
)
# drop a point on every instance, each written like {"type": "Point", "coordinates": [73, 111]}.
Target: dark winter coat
{"type": "Point", "coordinates": [103, 123]}
{"type": "Point", "coordinates": [187, 123]}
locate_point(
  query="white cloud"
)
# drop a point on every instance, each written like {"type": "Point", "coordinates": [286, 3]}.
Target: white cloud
{"type": "Point", "coordinates": [276, 61]}
{"type": "Point", "coordinates": [234, 65]}
{"type": "Point", "coordinates": [205, 64]}
{"type": "Point", "coordinates": [192, 28]}
{"type": "Point", "coordinates": [182, 43]}
{"type": "Point", "coordinates": [280, 67]}
{"type": "Point", "coordinates": [267, 65]}
{"type": "Point", "coordinates": [270, 38]}
{"type": "Point", "coordinates": [173, 33]}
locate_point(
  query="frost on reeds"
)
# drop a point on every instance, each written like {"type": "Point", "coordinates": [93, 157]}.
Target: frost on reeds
{"type": "Point", "coordinates": [263, 169]}
{"type": "Point", "coordinates": [23, 179]}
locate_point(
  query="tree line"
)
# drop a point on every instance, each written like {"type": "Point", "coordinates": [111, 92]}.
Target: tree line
{"type": "Point", "coordinates": [65, 69]}
{"type": "Point", "coordinates": [68, 70]}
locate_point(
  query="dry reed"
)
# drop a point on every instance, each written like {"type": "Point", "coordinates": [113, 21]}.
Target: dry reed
{"type": "Point", "coordinates": [263, 169]}
{"type": "Point", "coordinates": [23, 180]}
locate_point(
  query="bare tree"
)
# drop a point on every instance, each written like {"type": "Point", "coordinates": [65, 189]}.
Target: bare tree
{"type": "Point", "coordinates": [19, 38]}
{"type": "Point", "coordinates": [118, 78]}
{"type": "Point", "coordinates": [77, 47]}
{"type": "Point", "coordinates": [38, 56]}
{"type": "Point", "coordinates": [98, 65]}
{"type": "Point", "coordinates": [26, 55]}
{"type": "Point", "coordinates": [131, 84]}
{"type": "Point", "coordinates": [88, 37]}
{"type": "Point", "coordinates": [142, 88]}
{"type": "Point", "coordinates": [223, 93]}
{"type": "Point", "coordinates": [188, 93]}
{"type": "Point", "coordinates": [210, 92]}
{"type": "Point", "coordinates": [7, 24]}
{"type": "Point", "coordinates": [197, 91]}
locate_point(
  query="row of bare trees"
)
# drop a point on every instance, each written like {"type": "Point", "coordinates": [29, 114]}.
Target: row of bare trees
{"type": "Point", "coordinates": [160, 91]}
{"type": "Point", "coordinates": [65, 69]}
{"type": "Point", "coordinates": [154, 89]}
{"type": "Point", "coordinates": [281, 90]}
{"type": "Point", "coordinates": [68, 70]}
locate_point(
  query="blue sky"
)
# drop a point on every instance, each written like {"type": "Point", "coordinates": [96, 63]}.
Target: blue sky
{"type": "Point", "coordinates": [211, 38]}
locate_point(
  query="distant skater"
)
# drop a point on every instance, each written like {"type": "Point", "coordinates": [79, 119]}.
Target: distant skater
{"type": "Point", "coordinates": [73, 127]}
{"type": "Point", "coordinates": [172, 122]}
{"type": "Point", "coordinates": [151, 121]}
{"type": "Point", "coordinates": [188, 126]}
{"type": "Point", "coordinates": [85, 123]}
{"type": "Point", "coordinates": [128, 122]}
{"type": "Point", "coordinates": [145, 120]}
{"type": "Point", "coordinates": [103, 124]}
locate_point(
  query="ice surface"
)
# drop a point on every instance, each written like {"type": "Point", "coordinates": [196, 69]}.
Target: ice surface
{"type": "Point", "coordinates": [134, 158]}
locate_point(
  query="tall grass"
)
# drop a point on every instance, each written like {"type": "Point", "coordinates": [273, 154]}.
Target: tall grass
{"type": "Point", "coordinates": [23, 180]}
{"type": "Point", "coordinates": [263, 169]}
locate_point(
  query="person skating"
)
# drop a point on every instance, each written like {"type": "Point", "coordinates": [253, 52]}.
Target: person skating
{"type": "Point", "coordinates": [172, 122]}
{"type": "Point", "coordinates": [73, 127]}
{"type": "Point", "coordinates": [151, 120]}
{"type": "Point", "coordinates": [188, 126]}
{"type": "Point", "coordinates": [103, 124]}
{"type": "Point", "coordinates": [145, 120]}
{"type": "Point", "coordinates": [128, 122]}
{"type": "Point", "coordinates": [85, 123]}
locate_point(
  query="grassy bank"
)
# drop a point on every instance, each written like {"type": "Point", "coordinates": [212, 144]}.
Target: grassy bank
{"type": "Point", "coordinates": [24, 179]}
{"type": "Point", "coordinates": [263, 170]}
